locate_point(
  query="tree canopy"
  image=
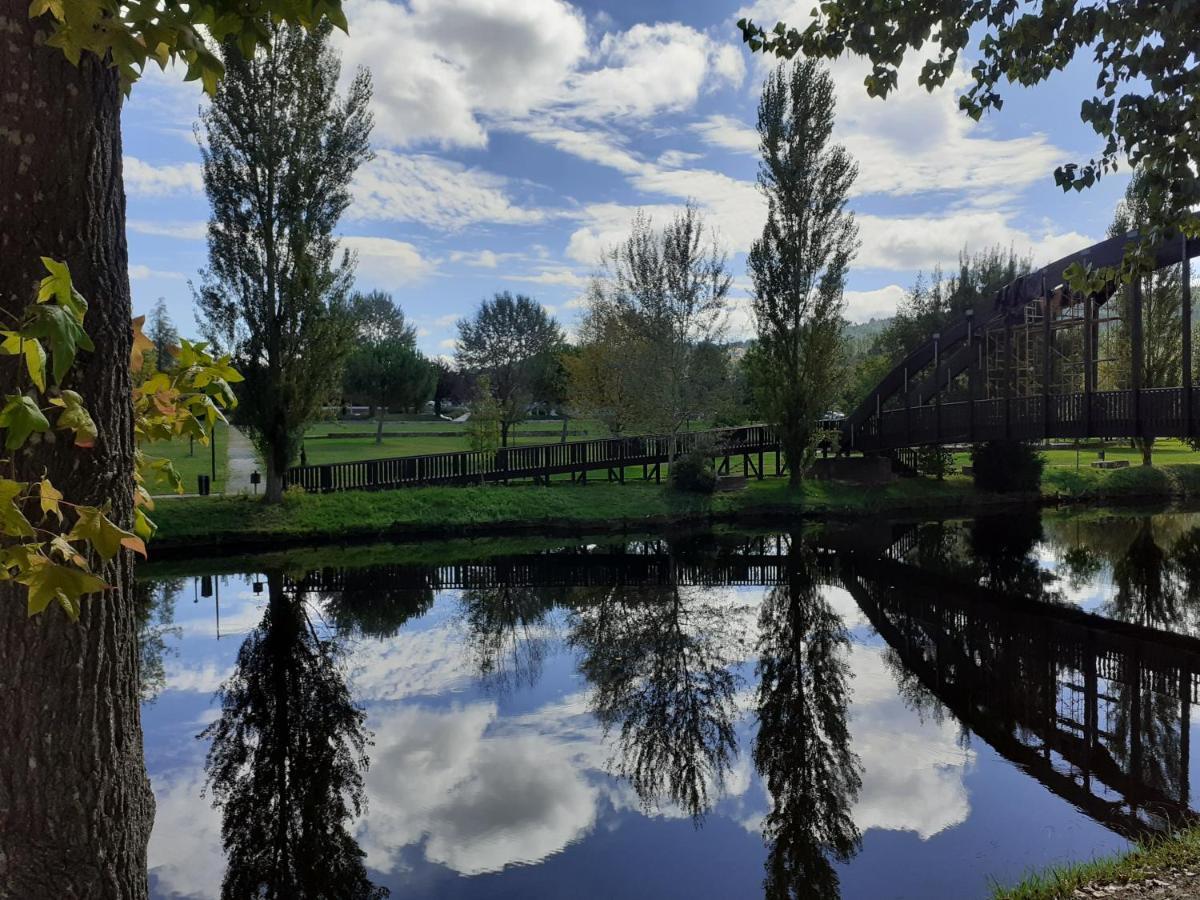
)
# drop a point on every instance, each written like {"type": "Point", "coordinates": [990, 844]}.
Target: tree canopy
{"type": "Point", "coordinates": [1146, 104]}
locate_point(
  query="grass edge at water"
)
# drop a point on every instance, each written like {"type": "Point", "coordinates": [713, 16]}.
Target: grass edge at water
{"type": "Point", "coordinates": [1145, 861]}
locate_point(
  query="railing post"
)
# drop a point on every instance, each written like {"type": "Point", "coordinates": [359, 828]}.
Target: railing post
{"type": "Point", "coordinates": [1186, 362]}
{"type": "Point", "coordinates": [1008, 377]}
{"type": "Point", "coordinates": [1137, 359]}
{"type": "Point", "coordinates": [1089, 364]}
{"type": "Point", "coordinates": [1047, 358]}
{"type": "Point", "coordinates": [907, 410]}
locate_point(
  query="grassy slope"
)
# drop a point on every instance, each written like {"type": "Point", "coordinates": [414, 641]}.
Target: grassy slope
{"type": "Point", "coordinates": [1179, 852]}
{"type": "Point", "coordinates": [190, 466]}
{"type": "Point", "coordinates": [600, 503]}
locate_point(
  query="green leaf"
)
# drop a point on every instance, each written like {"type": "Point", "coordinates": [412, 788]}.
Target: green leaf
{"type": "Point", "coordinates": [12, 521]}
{"type": "Point", "coordinates": [58, 285]}
{"type": "Point", "coordinates": [49, 581]}
{"type": "Point", "coordinates": [21, 417]}
{"type": "Point", "coordinates": [94, 527]}
{"type": "Point", "coordinates": [64, 332]}
{"type": "Point", "coordinates": [143, 525]}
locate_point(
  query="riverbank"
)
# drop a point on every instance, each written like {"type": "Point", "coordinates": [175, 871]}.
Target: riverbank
{"type": "Point", "coordinates": [216, 525]}
{"type": "Point", "coordinates": [1163, 870]}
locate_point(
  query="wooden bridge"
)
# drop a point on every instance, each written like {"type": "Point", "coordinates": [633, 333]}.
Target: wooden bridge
{"type": "Point", "coordinates": [1026, 364]}
{"type": "Point", "coordinates": [611, 456]}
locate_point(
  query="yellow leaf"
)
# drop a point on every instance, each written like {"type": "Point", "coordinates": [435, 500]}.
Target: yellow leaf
{"type": "Point", "coordinates": [49, 581]}
{"type": "Point", "coordinates": [35, 362]}
{"type": "Point", "coordinates": [12, 520]}
{"type": "Point", "coordinates": [50, 496]}
{"type": "Point", "coordinates": [95, 528]}
{"type": "Point", "coordinates": [141, 344]}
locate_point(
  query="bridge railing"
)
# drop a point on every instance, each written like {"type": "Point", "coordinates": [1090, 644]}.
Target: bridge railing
{"type": "Point", "coordinates": [538, 461]}
{"type": "Point", "coordinates": [1151, 412]}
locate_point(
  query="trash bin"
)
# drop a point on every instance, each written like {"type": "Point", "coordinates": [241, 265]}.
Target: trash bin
{"type": "Point", "coordinates": [204, 485]}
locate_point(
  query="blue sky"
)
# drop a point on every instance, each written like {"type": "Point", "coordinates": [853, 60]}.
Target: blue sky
{"type": "Point", "coordinates": [514, 140]}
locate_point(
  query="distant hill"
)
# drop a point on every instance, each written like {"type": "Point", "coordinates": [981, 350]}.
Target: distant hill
{"type": "Point", "coordinates": [866, 331]}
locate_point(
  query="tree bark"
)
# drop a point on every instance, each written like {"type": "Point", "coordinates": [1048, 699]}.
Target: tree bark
{"type": "Point", "coordinates": [75, 803]}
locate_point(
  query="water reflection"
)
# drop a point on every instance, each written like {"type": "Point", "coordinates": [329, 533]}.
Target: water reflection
{"type": "Point", "coordinates": [803, 748]}
{"type": "Point", "coordinates": [684, 664]}
{"type": "Point", "coordinates": [285, 763]}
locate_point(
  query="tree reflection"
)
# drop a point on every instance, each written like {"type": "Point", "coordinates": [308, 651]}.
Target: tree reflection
{"type": "Point", "coordinates": [286, 764]}
{"type": "Point", "coordinates": [803, 746]}
{"type": "Point", "coordinates": [1148, 592]}
{"type": "Point", "coordinates": [154, 605]}
{"type": "Point", "coordinates": [659, 659]}
{"type": "Point", "coordinates": [507, 628]}
{"type": "Point", "coordinates": [1003, 546]}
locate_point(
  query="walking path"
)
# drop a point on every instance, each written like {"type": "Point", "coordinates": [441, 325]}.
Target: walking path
{"type": "Point", "coordinates": [242, 461]}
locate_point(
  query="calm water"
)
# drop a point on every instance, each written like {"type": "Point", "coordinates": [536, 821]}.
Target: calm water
{"type": "Point", "coordinates": [885, 711]}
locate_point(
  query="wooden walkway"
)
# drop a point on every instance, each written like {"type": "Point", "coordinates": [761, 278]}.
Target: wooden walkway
{"type": "Point", "coordinates": [612, 456]}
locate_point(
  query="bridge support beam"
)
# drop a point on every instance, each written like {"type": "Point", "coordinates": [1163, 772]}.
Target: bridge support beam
{"type": "Point", "coordinates": [1089, 361]}
{"type": "Point", "coordinates": [1186, 361]}
{"type": "Point", "coordinates": [1008, 377]}
{"type": "Point", "coordinates": [1047, 359]}
{"type": "Point", "coordinates": [1137, 359]}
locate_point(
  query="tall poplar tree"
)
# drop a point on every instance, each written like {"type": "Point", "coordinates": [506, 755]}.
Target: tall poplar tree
{"type": "Point", "coordinates": [280, 150]}
{"type": "Point", "coordinates": [799, 264]}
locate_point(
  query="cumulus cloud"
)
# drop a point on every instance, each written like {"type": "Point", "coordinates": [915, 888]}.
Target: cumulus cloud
{"type": "Point", "coordinates": [862, 306]}
{"type": "Point", "coordinates": [150, 180]}
{"type": "Point", "coordinates": [434, 192]}
{"type": "Point", "coordinates": [448, 71]}
{"type": "Point", "coordinates": [184, 231]}
{"type": "Point", "coordinates": [387, 262]}
{"type": "Point", "coordinates": [139, 272]}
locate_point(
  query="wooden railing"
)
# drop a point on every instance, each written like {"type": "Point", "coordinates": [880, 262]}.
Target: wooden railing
{"type": "Point", "coordinates": [536, 462]}
{"type": "Point", "coordinates": [1150, 412]}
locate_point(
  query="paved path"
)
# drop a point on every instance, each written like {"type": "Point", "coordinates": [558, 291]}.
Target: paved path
{"type": "Point", "coordinates": [242, 461]}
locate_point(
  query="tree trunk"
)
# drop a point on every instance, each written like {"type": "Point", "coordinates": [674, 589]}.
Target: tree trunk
{"type": "Point", "coordinates": [273, 489]}
{"type": "Point", "coordinates": [1147, 447]}
{"type": "Point", "coordinates": [379, 428]}
{"type": "Point", "coordinates": [75, 803]}
{"type": "Point", "coordinates": [504, 426]}
{"type": "Point", "coordinates": [563, 436]}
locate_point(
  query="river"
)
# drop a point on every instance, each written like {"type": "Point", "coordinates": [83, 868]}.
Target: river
{"type": "Point", "coordinates": [885, 709]}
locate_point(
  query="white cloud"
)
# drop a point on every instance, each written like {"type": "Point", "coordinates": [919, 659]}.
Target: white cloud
{"type": "Point", "coordinates": [651, 69]}
{"type": "Point", "coordinates": [140, 273]}
{"type": "Point", "coordinates": [921, 242]}
{"type": "Point", "coordinates": [386, 262]}
{"type": "Point", "coordinates": [441, 67]}
{"type": "Point", "coordinates": [449, 70]}
{"type": "Point", "coordinates": [184, 231]}
{"type": "Point", "coordinates": [185, 854]}
{"type": "Point", "coordinates": [551, 275]}
{"type": "Point", "coordinates": [728, 133]}
{"type": "Point", "coordinates": [434, 192]}
{"type": "Point", "coordinates": [862, 306]}
{"type": "Point", "coordinates": [677, 158]}
{"type": "Point", "coordinates": [148, 179]}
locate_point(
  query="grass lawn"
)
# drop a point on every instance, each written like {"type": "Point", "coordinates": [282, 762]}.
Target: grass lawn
{"type": "Point", "coordinates": [1159, 859]}
{"type": "Point", "coordinates": [192, 461]}
{"type": "Point", "coordinates": [600, 504]}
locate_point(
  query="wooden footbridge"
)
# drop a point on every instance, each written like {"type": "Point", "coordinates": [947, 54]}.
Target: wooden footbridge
{"type": "Point", "coordinates": [1027, 363]}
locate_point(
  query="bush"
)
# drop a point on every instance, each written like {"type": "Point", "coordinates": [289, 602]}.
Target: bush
{"type": "Point", "coordinates": [1005, 466]}
{"type": "Point", "coordinates": [694, 472]}
{"type": "Point", "coordinates": [935, 462]}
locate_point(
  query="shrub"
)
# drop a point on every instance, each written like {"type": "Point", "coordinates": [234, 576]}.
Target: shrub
{"type": "Point", "coordinates": [694, 472]}
{"type": "Point", "coordinates": [1005, 466]}
{"type": "Point", "coordinates": [935, 462]}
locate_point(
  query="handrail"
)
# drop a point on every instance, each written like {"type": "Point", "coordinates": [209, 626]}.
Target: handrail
{"type": "Point", "coordinates": [533, 461]}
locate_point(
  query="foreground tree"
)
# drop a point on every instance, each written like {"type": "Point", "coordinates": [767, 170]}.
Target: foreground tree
{"type": "Point", "coordinates": [512, 341]}
{"type": "Point", "coordinates": [280, 150]}
{"type": "Point", "coordinates": [799, 264]}
{"type": "Point", "coordinates": [1147, 107]}
{"type": "Point", "coordinates": [657, 304]}
{"type": "Point", "coordinates": [77, 821]}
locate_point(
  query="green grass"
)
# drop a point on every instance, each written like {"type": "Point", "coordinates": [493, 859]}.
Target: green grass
{"type": "Point", "coordinates": [1181, 851]}
{"type": "Point", "coordinates": [463, 509]}
{"type": "Point", "coordinates": [191, 462]}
